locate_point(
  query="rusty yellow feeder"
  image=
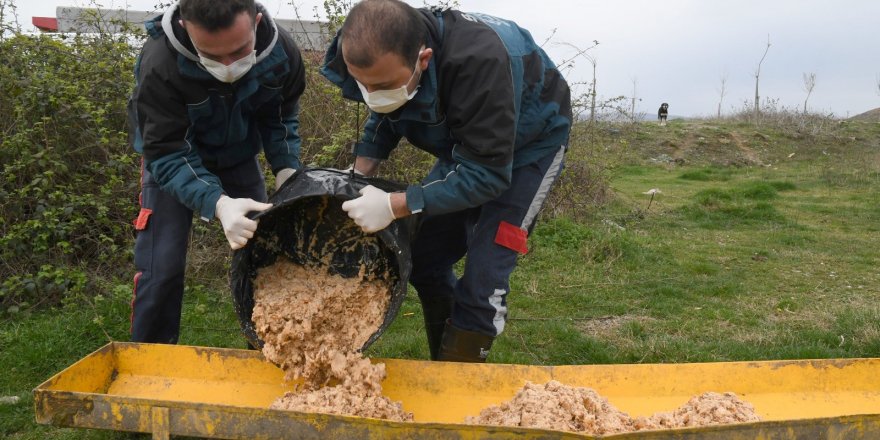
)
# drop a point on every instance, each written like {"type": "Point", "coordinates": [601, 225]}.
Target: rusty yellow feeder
{"type": "Point", "coordinates": [224, 393]}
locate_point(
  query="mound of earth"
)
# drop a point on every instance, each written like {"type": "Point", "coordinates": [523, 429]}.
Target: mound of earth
{"type": "Point", "coordinates": [868, 116]}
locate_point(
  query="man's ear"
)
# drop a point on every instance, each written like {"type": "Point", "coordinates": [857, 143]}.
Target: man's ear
{"type": "Point", "coordinates": [182, 23]}
{"type": "Point", "coordinates": [258, 18]}
{"type": "Point", "coordinates": [425, 58]}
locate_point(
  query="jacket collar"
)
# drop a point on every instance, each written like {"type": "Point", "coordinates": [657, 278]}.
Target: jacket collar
{"type": "Point", "coordinates": [269, 52]}
{"type": "Point", "coordinates": [267, 34]}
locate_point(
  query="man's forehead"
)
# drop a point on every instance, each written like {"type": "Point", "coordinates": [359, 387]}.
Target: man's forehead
{"type": "Point", "coordinates": [386, 58]}
{"type": "Point", "coordinates": [226, 40]}
{"type": "Point", "coordinates": [242, 21]}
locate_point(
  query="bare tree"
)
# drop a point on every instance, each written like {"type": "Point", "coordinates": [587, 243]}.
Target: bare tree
{"type": "Point", "coordinates": [632, 110]}
{"type": "Point", "coordinates": [569, 63]}
{"type": "Point", "coordinates": [8, 19]}
{"type": "Point", "coordinates": [757, 78]}
{"type": "Point", "coordinates": [809, 84]}
{"type": "Point", "coordinates": [592, 61]}
{"type": "Point", "coordinates": [722, 91]}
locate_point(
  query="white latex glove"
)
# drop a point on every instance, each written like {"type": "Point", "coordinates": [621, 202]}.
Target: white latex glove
{"type": "Point", "coordinates": [372, 210]}
{"type": "Point", "coordinates": [282, 177]}
{"type": "Point", "coordinates": [231, 213]}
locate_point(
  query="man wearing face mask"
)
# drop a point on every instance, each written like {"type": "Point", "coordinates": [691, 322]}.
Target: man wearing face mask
{"type": "Point", "coordinates": [478, 93]}
{"type": "Point", "coordinates": [217, 82]}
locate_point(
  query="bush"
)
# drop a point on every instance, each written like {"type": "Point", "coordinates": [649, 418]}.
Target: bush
{"type": "Point", "coordinates": [790, 120]}
{"type": "Point", "coordinates": [69, 179]}
{"type": "Point", "coordinates": [329, 124]}
{"type": "Point", "coordinates": [595, 150]}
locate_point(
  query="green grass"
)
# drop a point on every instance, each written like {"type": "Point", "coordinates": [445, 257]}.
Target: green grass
{"type": "Point", "coordinates": [777, 261]}
{"type": "Point", "coordinates": [731, 269]}
{"type": "Point", "coordinates": [707, 174]}
{"type": "Point", "coordinates": [36, 345]}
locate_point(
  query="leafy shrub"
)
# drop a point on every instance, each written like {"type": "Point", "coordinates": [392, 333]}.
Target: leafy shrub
{"type": "Point", "coordinates": [328, 123]}
{"type": "Point", "coordinates": [69, 180]}
{"type": "Point", "coordinates": [594, 152]}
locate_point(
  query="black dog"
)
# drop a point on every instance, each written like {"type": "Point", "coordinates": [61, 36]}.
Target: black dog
{"type": "Point", "coordinates": [662, 113]}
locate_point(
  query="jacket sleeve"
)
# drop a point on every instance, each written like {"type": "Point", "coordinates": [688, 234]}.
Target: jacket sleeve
{"type": "Point", "coordinates": [169, 153]}
{"type": "Point", "coordinates": [477, 84]}
{"type": "Point", "coordinates": [278, 119]}
{"type": "Point", "coordinates": [460, 184]}
{"type": "Point", "coordinates": [379, 138]}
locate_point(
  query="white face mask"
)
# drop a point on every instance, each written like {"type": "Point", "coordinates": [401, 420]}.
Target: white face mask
{"type": "Point", "coordinates": [386, 101]}
{"type": "Point", "coordinates": [232, 72]}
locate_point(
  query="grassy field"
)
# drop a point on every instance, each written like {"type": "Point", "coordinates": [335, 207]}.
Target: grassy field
{"type": "Point", "coordinates": [760, 244]}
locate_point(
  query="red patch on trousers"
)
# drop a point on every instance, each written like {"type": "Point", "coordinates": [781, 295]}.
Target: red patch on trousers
{"type": "Point", "coordinates": [512, 237]}
{"type": "Point", "coordinates": [140, 223]}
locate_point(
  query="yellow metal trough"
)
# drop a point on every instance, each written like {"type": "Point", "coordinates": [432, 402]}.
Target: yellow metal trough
{"type": "Point", "coordinates": [225, 393]}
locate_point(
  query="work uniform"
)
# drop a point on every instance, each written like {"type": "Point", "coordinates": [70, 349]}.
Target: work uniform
{"type": "Point", "coordinates": [496, 113]}
{"type": "Point", "coordinates": [200, 138]}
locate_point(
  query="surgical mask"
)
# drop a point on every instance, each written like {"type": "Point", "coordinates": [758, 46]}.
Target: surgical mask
{"type": "Point", "coordinates": [232, 72]}
{"type": "Point", "coordinates": [386, 101]}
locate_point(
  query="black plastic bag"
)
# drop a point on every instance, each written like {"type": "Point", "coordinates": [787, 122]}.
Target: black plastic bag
{"type": "Point", "coordinates": [307, 225]}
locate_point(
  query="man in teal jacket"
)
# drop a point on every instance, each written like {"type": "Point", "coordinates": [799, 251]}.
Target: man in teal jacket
{"type": "Point", "coordinates": [217, 82]}
{"type": "Point", "coordinates": [478, 93]}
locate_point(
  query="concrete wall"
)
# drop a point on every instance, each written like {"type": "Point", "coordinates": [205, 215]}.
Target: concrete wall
{"type": "Point", "coordinates": [308, 34]}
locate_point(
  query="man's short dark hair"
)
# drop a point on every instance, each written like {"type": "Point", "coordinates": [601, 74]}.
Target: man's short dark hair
{"type": "Point", "coordinates": [376, 27]}
{"type": "Point", "coordinates": [215, 14]}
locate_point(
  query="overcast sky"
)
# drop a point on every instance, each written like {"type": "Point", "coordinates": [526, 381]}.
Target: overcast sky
{"type": "Point", "coordinates": [677, 50]}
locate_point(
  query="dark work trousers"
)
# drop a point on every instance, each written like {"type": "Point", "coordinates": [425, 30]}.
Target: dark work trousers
{"type": "Point", "coordinates": [491, 235]}
{"type": "Point", "coordinates": [160, 250]}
